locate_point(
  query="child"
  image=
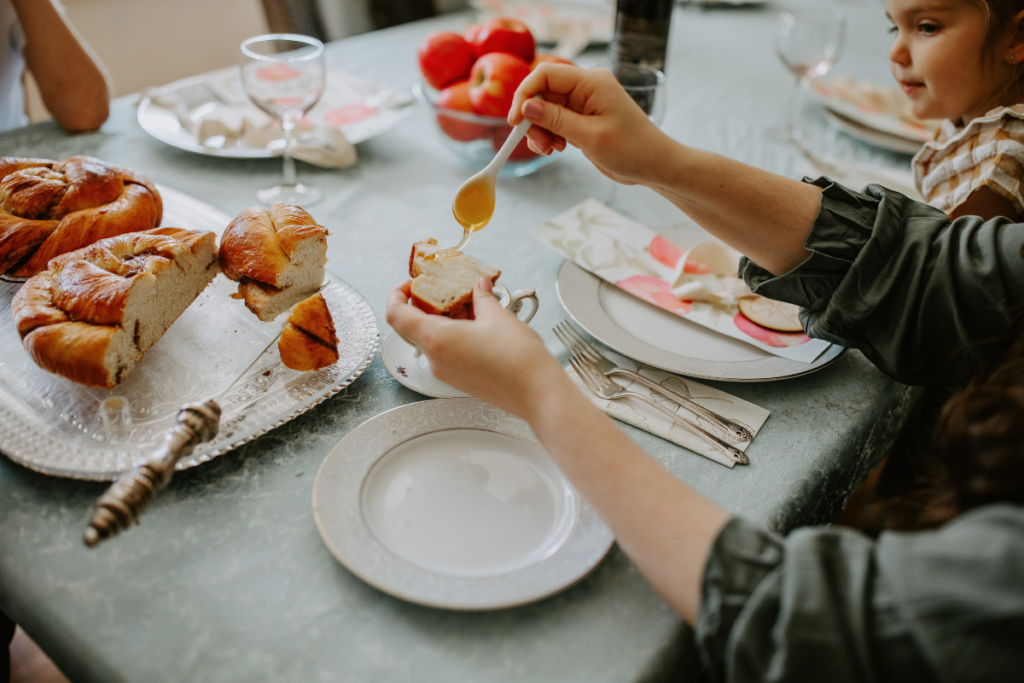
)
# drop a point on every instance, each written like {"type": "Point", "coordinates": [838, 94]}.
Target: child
{"type": "Point", "coordinates": [963, 61]}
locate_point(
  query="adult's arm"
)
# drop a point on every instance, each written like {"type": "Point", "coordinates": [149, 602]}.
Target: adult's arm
{"type": "Point", "coordinates": [72, 81]}
{"type": "Point", "coordinates": [831, 604]}
{"type": "Point", "coordinates": [917, 293]}
{"type": "Point", "coordinates": [664, 526]}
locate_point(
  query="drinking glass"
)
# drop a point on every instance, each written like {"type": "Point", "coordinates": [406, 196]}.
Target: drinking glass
{"type": "Point", "coordinates": [646, 86]}
{"type": "Point", "coordinates": [808, 41]}
{"type": "Point", "coordinates": [283, 74]}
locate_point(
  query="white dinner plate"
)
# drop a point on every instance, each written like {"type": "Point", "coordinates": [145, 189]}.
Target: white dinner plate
{"type": "Point", "coordinates": [413, 371]}
{"type": "Point", "coordinates": [656, 337]}
{"type": "Point", "coordinates": [162, 124]}
{"type": "Point", "coordinates": [876, 138]}
{"type": "Point", "coordinates": [453, 503]}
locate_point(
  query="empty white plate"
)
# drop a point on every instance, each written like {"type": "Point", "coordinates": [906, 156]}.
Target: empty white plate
{"type": "Point", "coordinates": [452, 503]}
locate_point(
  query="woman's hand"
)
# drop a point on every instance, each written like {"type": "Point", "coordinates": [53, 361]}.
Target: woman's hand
{"type": "Point", "coordinates": [495, 357]}
{"type": "Point", "coordinates": [588, 109]}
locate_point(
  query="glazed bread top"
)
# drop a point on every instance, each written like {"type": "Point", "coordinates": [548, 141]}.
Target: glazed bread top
{"type": "Point", "coordinates": [48, 208]}
{"type": "Point", "coordinates": [272, 246]}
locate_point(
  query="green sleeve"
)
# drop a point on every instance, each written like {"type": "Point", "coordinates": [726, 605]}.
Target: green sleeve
{"type": "Point", "coordinates": [899, 281]}
{"type": "Point", "coordinates": [831, 604]}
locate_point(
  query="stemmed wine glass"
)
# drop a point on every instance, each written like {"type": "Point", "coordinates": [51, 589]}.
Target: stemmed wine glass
{"type": "Point", "coordinates": [808, 41]}
{"type": "Point", "coordinates": [283, 74]}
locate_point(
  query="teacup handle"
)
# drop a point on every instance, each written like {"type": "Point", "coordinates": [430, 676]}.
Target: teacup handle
{"type": "Point", "coordinates": [522, 299]}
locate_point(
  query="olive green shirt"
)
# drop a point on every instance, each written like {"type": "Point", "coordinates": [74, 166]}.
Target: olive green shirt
{"type": "Point", "coordinates": [897, 280]}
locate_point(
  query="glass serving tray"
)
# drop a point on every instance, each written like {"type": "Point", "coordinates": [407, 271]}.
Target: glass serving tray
{"type": "Point", "coordinates": [216, 349]}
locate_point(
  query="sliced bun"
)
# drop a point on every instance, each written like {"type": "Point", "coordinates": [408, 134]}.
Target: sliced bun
{"type": "Point", "coordinates": [276, 256]}
{"type": "Point", "coordinates": [309, 342]}
{"type": "Point", "coordinates": [445, 286]}
{"type": "Point", "coordinates": [93, 313]}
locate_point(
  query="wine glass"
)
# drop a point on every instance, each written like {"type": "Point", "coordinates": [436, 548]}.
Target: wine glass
{"type": "Point", "coordinates": [283, 74]}
{"type": "Point", "coordinates": [808, 41]}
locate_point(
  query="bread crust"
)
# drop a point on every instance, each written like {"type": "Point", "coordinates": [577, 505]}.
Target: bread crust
{"type": "Point", "coordinates": [48, 208]}
{"type": "Point", "coordinates": [258, 243]}
{"type": "Point", "coordinates": [309, 342]}
{"type": "Point", "coordinates": [72, 316]}
{"type": "Point", "coordinates": [460, 307]}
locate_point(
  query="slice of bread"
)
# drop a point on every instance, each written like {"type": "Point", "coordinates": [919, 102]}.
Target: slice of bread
{"type": "Point", "coordinates": [93, 313]}
{"type": "Point", "coordinates": [276, 255]}
{"type": "Point", "coordinates": [309, 342]}
{"type": "Point", "coordinates": [445, 286]}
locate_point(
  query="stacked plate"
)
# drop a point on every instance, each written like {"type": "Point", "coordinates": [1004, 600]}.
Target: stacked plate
{"type": "Point", "coordinates": [877, 115]}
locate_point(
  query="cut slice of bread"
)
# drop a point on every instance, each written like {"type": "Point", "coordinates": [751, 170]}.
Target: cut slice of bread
{"type": "Point", "coordinates": [93, 313]}
{"type": "Point", "coordinates": [445, 286]}
{"type": "Point", "coordinates": [276, 255]}
{"type": "Point", "coordinates": [309, 342]}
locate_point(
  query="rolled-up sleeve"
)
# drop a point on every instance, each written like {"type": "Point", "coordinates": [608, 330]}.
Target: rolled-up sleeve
{"type": "Point", "coordinates": [899, 281]}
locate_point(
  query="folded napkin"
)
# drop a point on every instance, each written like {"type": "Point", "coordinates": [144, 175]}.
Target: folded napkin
{"type": "Point", "coordinates": [637, 260]}
{"type": "Point", "coordinates": [642, 416]}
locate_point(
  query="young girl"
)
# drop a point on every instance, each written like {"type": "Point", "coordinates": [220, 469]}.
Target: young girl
{"type": "Point", "coordinates": [963, 61]}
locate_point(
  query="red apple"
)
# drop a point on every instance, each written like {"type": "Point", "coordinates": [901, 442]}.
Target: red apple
{"type": "Point", "coordinates": [445, 57]}
{"type": "Point", "coordinates": [505, 35]}
{"type": "Point", "coordinates": [544, 57]}
{"type": "Point", "coordinates": [470, 34]}
{"type": "Point", "coordinates": [457, 97]}
{"type": "Point", "coordinates": [493, 82]}
{"type": "Point", "coordinates": [521, 153]}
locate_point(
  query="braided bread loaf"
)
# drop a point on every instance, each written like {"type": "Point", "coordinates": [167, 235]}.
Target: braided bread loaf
{"type": "Point", "coordinates": [48, 208]}
{"type": "Point", "coordinates": [309, 341]}
{"type": "Point", "coordinates": [277, 257]}
{"type": "Point", "coordinates": [93, 313]}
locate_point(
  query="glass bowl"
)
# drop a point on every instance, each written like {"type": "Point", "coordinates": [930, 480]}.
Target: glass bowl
{"type": "Point", "coordinates": [475, 139]}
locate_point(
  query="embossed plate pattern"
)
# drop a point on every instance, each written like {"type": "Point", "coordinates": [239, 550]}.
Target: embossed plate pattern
{"type": "Point", "coordinates": [340, 512]}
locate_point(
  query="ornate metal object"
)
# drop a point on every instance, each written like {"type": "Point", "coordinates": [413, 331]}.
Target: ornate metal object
{"type": "Point", "coordinates": [133, 491]}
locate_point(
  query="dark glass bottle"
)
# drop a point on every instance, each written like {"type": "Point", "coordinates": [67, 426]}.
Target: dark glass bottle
{"type": "Point", "coordinates": [641, 33]}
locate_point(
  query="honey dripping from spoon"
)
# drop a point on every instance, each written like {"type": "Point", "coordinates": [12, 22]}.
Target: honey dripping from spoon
{"type": "Point", "coordinates": [473, 208]}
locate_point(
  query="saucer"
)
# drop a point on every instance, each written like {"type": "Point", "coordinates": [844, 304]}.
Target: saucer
{"type": "Point", "coordinates": [412, 372]}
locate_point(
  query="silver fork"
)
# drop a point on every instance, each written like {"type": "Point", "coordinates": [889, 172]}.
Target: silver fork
{"type": "Point", "coordinates": [604, 388]}
{"type": "Point", "coordinates": [579, 347]}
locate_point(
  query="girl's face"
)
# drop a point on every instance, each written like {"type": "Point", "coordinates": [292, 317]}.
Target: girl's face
{"type": "Point", "coordinates": [940, 60]}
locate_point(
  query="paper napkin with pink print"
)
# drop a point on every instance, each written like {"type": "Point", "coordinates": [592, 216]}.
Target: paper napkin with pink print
{"type": "Point", "coordinates": [699, 284]}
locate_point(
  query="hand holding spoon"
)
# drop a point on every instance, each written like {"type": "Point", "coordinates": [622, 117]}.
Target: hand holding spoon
{"type": "Point", "coordinates": [474, 202]}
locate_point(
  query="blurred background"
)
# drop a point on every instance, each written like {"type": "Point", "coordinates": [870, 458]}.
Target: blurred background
{"type": "Point", "coordinates": [145, 43]}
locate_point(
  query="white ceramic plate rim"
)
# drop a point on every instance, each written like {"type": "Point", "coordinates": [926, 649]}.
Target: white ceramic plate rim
{"type": "Point", "coordinates": [875, 138]}
{"type": "Point", "coordinates": [339, 516]}
{"type": "Point", "coordinates": [579, 292]}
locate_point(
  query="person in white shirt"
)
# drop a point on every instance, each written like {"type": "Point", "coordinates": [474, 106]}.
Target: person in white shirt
{"type": "Point", "coordinates": [37, 36]}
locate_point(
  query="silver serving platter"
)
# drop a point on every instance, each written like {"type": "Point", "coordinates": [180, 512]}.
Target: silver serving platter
{"type": "Point", "coordinates": [216, 349]}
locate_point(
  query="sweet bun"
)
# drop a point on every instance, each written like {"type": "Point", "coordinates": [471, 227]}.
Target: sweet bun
{"type": "Point", "coordinates": [94, 312]}
{"type": "Point", "coordinates": [277, 256]}
{"type": "Point", "coordinates": [309, 341]}
{"type": "Point", "coordinates": [444, 286]}
{"type": "Point", "coordinates": [48, 208]}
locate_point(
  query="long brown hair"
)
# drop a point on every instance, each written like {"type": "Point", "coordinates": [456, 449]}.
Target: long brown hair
{"type": "Point", "coordinates": [975, 456]}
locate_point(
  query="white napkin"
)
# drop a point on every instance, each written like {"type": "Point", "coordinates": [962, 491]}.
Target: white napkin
{"type": "Point", "coordinates": [709, 272]}
{"type": "Point", "coordinates": [642, 416]}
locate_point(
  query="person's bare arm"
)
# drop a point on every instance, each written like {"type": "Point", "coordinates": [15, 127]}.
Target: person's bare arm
{"type": "Point", "coordinates": [72, 81]}
{"type": "Point", "coordinates": [763, 215]}
{"type": "Point", "coordinates": [661, 523]}
{"type": "Point", "coordinates": [986, 203]}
